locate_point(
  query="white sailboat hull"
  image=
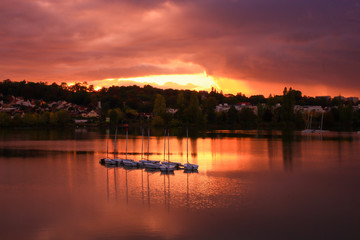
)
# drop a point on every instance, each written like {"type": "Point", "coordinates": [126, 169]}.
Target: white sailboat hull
{"type": "Point", "coordinates": [176, 164]}
{"type": "Point", "coordinates": [118, 161]}
{"type": "Point", "coordinates": [189, 166]}
{"type": "Point", "coordinates": [149, 161]}
{"type": "Point", "coordinates": [167, 167]}
{"type": "Point", "coordinates": [152, 165]}
{"type": "Point", "coordinates": [130, 163]}
{"type": "Point", "coordinates": [109, 161]}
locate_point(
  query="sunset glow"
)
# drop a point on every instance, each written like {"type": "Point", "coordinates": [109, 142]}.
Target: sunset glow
{"type": "Point", "coordinates": [187, 81]}
{"type": "Point", "coordinates": [197, 82]}
{"type": "Point", "coordinates": [171, 43]}
{"type": "Point", "coordinates": [204, 82]}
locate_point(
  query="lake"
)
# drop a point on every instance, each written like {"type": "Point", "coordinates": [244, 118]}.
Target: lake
{"type": "Point", "coordinates": [250, 185]}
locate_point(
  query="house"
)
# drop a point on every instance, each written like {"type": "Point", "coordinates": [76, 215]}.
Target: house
{"type": "Point", "coordinates": [352, 99]}
{"type": "Point", "coordinates": [172, 111]}
{"type": "Point", "coordinates": [327, 98]}
{"type": "Point", "coordinates": [80, 121]}
{"type": "Point", "coordinates": [222, 107]}
{"type": "Point", "coordinates": [146, 115]}
{"type": "Point", "coordinates": [92, 114]}
{"type": "Point", "coordinates": [239, 106]}
{"type": "Point", "coordinates": [308, 109]}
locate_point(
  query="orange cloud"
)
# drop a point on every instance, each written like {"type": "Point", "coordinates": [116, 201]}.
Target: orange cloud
{"type": "Point", "coordinates": [246, 46]}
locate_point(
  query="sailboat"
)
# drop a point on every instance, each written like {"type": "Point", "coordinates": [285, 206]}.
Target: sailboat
{"type": "Point", "coordinates": [107, 160]}
{"type": "Point", "coordinates": [167, 167]}
{"type": "Point", "coordinates": [142, 148]}
{"type": "Point", "coordinates": [128, 162]}
{"type": "Point", "coordinates": [189, 166]}
{"type": "Point", "coordinates": [118, 161]}
{"type": "Point", "coordinates": [308, 124]}
{"type": "Point", "coordinates": [176, 164]}
{"type": "Point", "coordinates": [320, 130]}
{"type": "Point", "coordinates": [149, 163]}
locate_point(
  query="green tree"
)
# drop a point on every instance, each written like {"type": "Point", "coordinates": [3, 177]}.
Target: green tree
{"type": "Point", "coordinates": [209, 109]}
{"type": "Point", "coordinates": [192, 113]}
{"type": "Point", "coordinates": [346, 117]}
{"type": "Point", "coordinates": [232, 115]}
{"type": "Point", "coordinates": [5, 119]}
{"type": "Point", "coordinates": [180, 101]}
{"type": "Point", "coordinates": [159, 106]}
{"type": "Point", "coordinates": [44, 118]}
{"type": "Point", "coordinates": [288, 104]}
{"type": "Point", "coordinates": [260, 112]}
{"type": "Point", "coordinates": [131, 113]}
{"type": "Point", "coordinates": [17, 120]}
{"type": "Point", "coordinates": [60, 118]}
{"type": "Point", "coordinates": [115, 115]}
{"type": "Point", "coordinates": [158, 122]}
{"type": "Point", "coordinates": [29, 119]}
{"type": "Point", "coordinates": [247, 118]}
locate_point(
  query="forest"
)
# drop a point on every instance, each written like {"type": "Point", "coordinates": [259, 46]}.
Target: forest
{"type": "Point", "coordinates": [147, 105]}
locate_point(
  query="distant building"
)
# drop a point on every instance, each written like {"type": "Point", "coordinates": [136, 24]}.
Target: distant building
{"type": "Point", "coordinates": [239, 106]}
{"type": "Point", "coordinates": [324, 97]}
{"type": "Point", "coordinates": [340, 98]}
{"type": "Point", "coordinates": [222, 107]}
{"type": "Point", "coordinates": [313, 109]}
{"type": "Point", "coordinates": [8, 109]}
{"type": "Point", "coordinates": [80, 121]}
{"type": "Point", "coordinates": [242, 105]}
{"type": "Point", "coordinates": [92, 114]}
{"type": "Point", "coordinates": [352, 99]}
{"type": "Point", "coordinates": [172, 111]}
{"type": "Point", "coordinates": [146, 115]}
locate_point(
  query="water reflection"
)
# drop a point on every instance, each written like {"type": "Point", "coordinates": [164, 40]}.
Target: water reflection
{"type": "Point", "coordinates": [222, 153]}
{"type": "Point", "coordinates": [57, 189]}
{"type": "Point", "coordinates": [113, 172]}
{"type": "Point", "coordinates": [288, 154]}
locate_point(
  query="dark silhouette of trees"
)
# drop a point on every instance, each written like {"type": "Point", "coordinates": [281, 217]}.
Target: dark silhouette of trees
{"type": "Point", "coordinates": [134, 104]}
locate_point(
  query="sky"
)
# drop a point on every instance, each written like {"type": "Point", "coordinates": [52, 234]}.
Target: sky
{"type": "Point", "coordinates": [248, 46]}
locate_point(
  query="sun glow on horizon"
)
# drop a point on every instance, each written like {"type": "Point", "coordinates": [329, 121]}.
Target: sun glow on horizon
{"type": "Point", "coordinates": [197, 82]}
{"type": "Point", "coordinates": [194, 81]}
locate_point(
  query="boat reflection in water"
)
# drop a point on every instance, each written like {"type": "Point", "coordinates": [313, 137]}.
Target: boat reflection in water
{"type": "Point", "coordinates": [253, 187]}
{"type": "Point", "coordinates": [151, 175]}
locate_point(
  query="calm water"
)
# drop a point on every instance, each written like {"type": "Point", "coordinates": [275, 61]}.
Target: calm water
{"type": "Point", "coordinates": [248, 187]}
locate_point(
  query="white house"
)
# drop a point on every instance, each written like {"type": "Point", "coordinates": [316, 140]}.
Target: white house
{"type": "Point", "coordinates": [222, 107]}
{"type": "Point", "coordinates": [92, 114]}
{"type": "Point", "coordinates": [171, 111]}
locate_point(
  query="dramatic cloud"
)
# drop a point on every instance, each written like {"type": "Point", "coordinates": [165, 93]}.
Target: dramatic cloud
{"type": "Point", "coordinates": [305, 44]}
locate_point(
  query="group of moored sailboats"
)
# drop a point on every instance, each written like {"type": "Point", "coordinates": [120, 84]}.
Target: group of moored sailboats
{"type": "Point", "coordinates": [309, 129]}
{"type": "Point", "coordinates": [187, 165]}
{"type": "Point", "coordinates": [117, 161]}
{"type": "Point", "coordinates": [164, 166]}
{"type": "Point", "coordinates": [146, 162]}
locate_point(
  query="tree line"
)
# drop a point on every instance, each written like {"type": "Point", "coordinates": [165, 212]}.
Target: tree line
{"type": "Point", "coordinates": [149, 105]}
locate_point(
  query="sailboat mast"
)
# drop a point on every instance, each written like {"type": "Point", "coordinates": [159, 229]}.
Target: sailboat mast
{"type": "Point", "coordinates": [107, 144]}
{"type": "Point", "coordinates": [308, 121]}
{"type": "Point", "coordinates": [187, 145]}
{"type": "Point", "coordinates": [115, 143]}
{"type": "Point", "coordinates": [142, 143]}
{"type": "Point", "coordinates": [164, 142]}
{"type": "Point", "coordinates": [126, 143]}
{"type": "Point", "coordinates": [168, 146]}
{"type": "Point", "coordinates": [148, 144]}
{"type": "Point", "coordinates": [322, 120]}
